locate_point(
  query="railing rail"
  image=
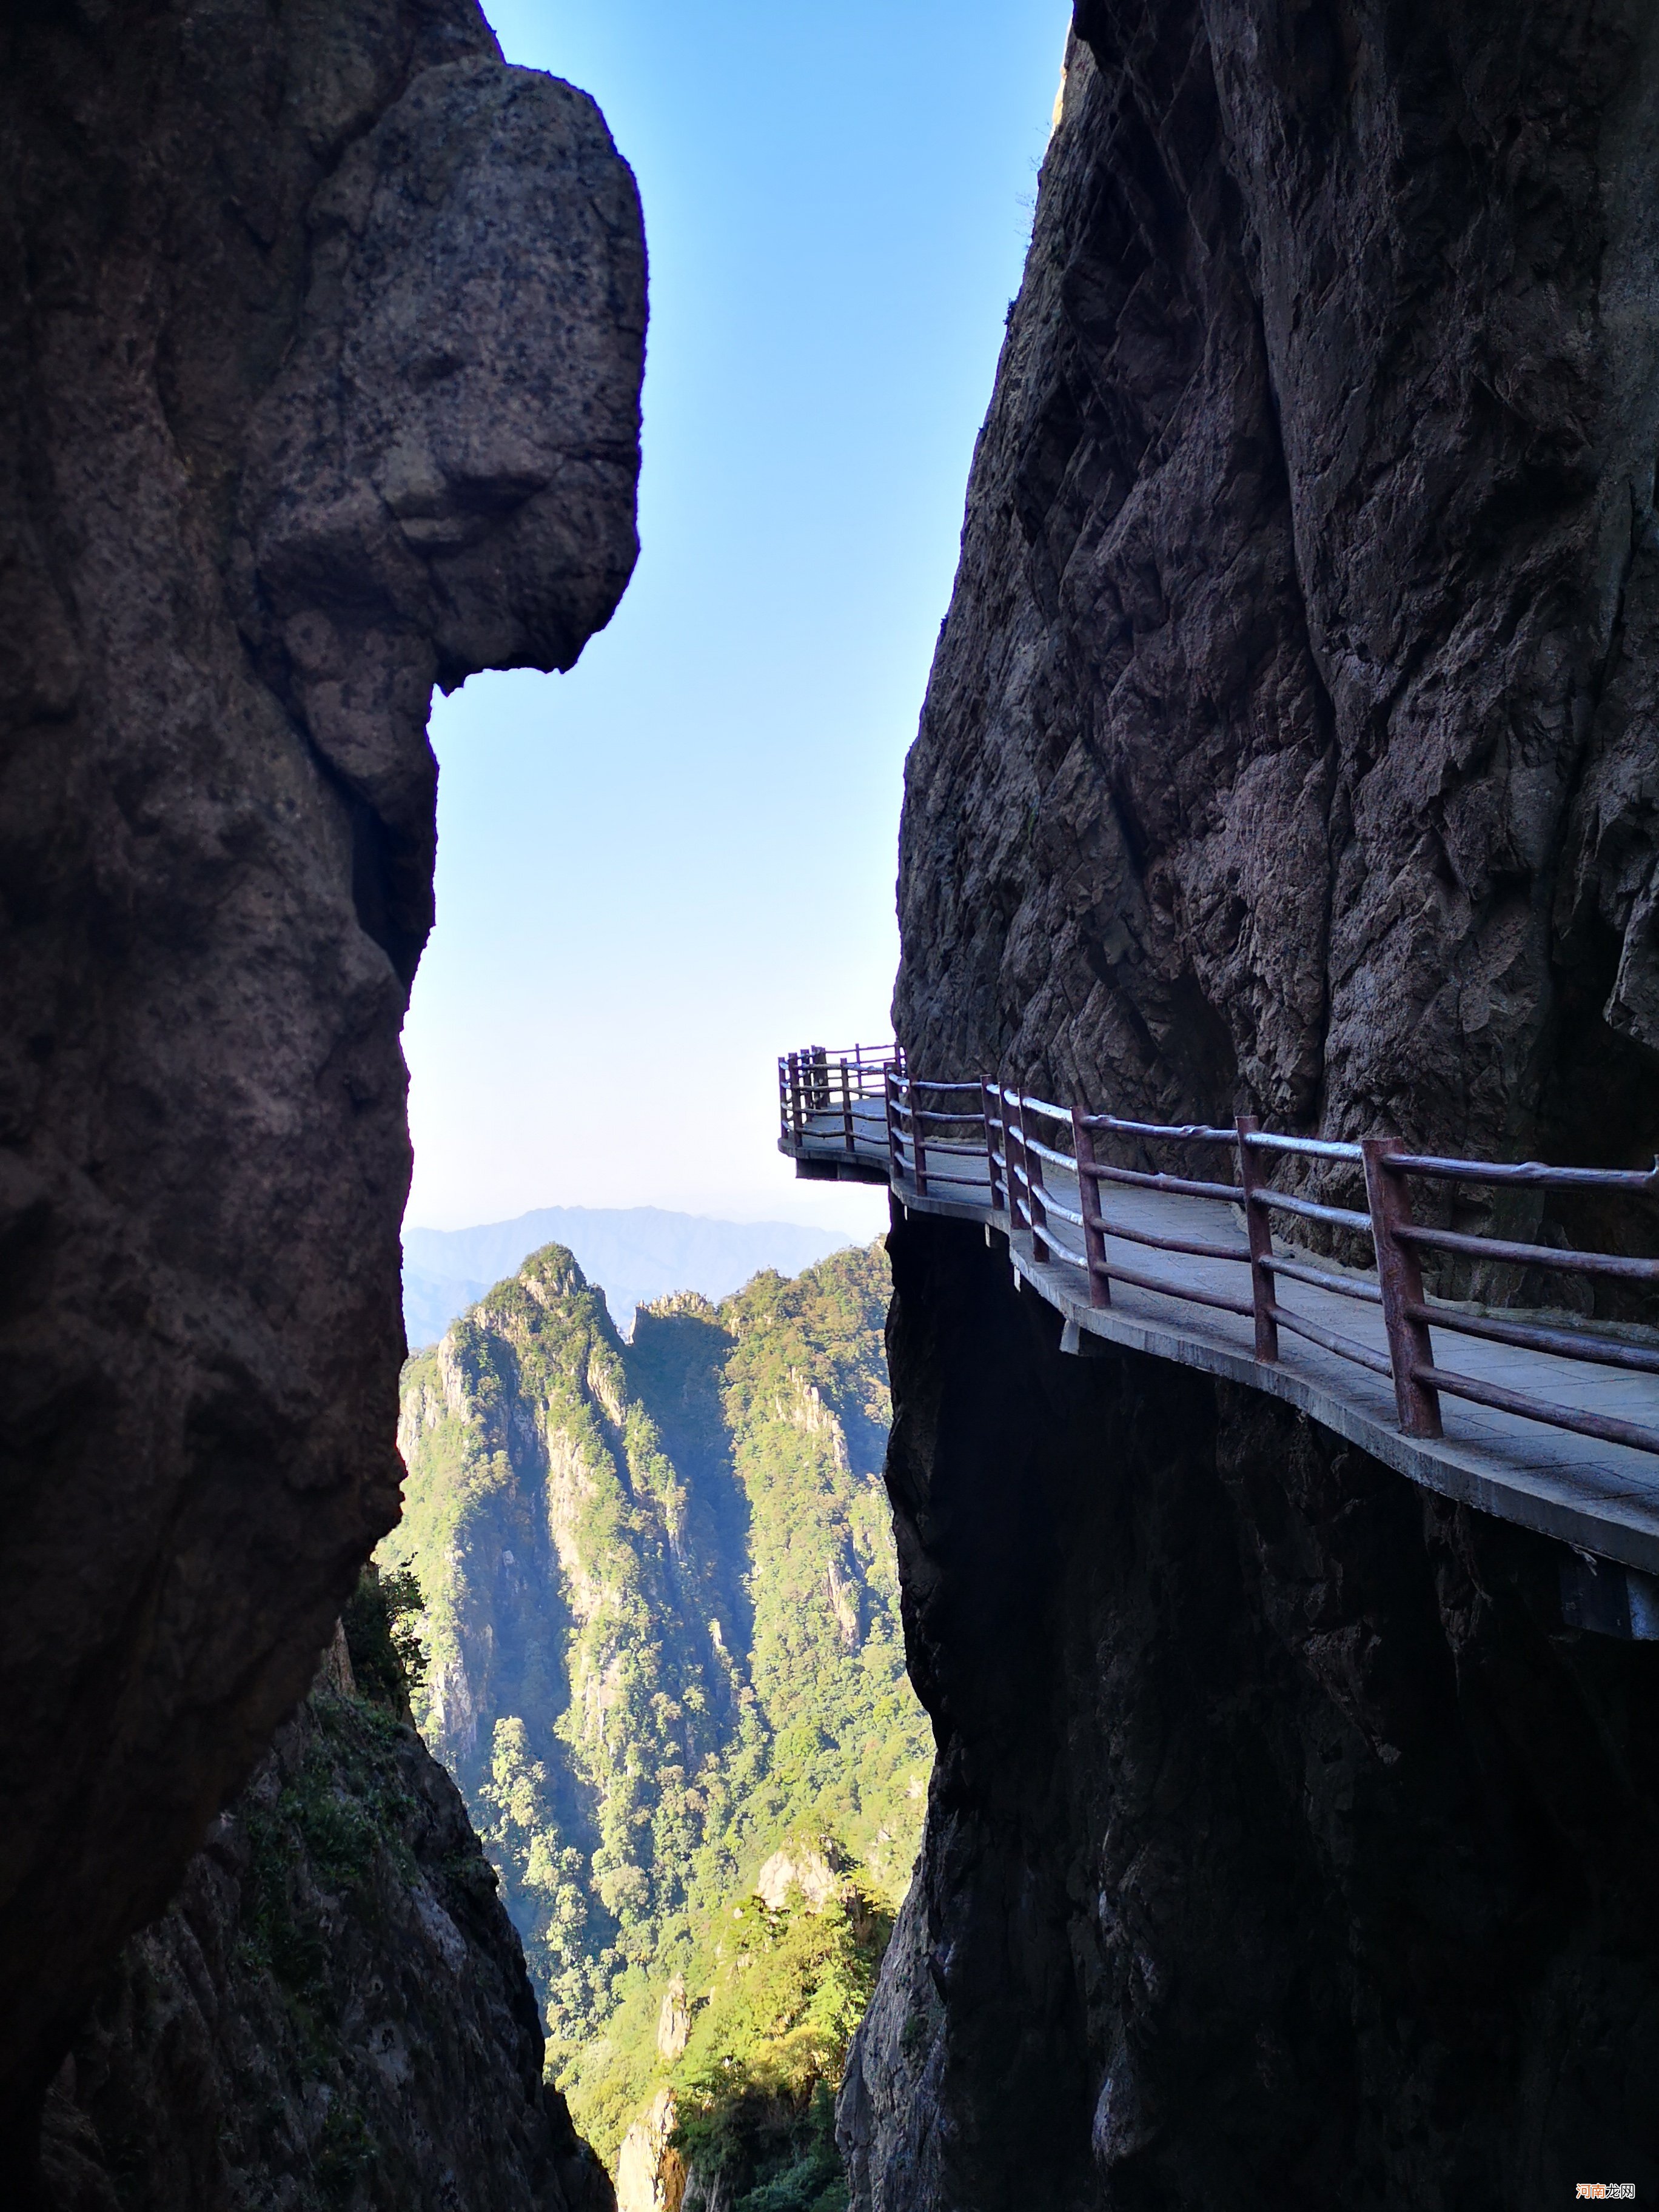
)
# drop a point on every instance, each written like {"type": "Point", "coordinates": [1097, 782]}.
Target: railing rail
{"type": "Point", "coordinates": [986, 1153]}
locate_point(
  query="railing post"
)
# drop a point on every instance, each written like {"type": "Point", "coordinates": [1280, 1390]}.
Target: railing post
{"type": "Point", "coordinates": [918, 1142]}
{"type": "Point", "coordinates": [1011, 1152]}
{"type": "Point", "coordinates": [795, 1094]}
{"type": "Point", "coordinates": [1400, 1277]}
{"type": "Point", "coordinates": [1019, 1166]}
{"type": "Point", "coordinates": [1032, 1164]}
{"type": "Point", "coordinates": [999, 1203]}
{"type": "Point", "coordinates": [1259, 1228]}
{"type": "Point", "coordinates": [1088, 1204]}
{"type": "Point", "coordinates": [895, 1161]}
{"type": "Point", "coordinates": [847, 1108]}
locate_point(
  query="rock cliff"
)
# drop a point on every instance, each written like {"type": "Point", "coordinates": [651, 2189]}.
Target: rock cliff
{"type": "Point", "coordinates": [1289, 748]}
{"type": "Point", "coordinates": [1282, 1847]}
{"type": "Point", "coordinates": [666, 1668]}
{"type": "Point", "coordinates": [333, 2012]}
{"type": "Point", "coordinates": [320, 341]}
{"type": "Point", "coordinates": [1291, 736]}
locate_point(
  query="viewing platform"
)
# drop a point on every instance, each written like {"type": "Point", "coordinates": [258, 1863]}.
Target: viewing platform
{"type": "Point", "coordinates": [1536, 1416]}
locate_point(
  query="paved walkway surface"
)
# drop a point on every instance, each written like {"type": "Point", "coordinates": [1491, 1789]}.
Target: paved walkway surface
{"type": "Point", "coordinates": [1602, 1499]}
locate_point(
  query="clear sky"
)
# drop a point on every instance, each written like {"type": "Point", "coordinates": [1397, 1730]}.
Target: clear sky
{"type": "Point", "coordinates": [659, 870]}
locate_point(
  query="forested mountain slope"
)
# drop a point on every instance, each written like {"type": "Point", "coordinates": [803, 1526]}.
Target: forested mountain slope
{"type": "Point", "coordinates": [662, 1625]}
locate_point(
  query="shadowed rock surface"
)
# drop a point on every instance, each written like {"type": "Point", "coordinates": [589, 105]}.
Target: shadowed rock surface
{"type": "Point", "coordinates": [1282, 1849]}
{"type": "Point", "coordinates": [320, 342]}
{"type": "Point", "coordinates": [333, 2013]}
{"type": "Point", "coordinates": [1291, 740]}
{"type": "Point", "coordinates": [1290, 748]}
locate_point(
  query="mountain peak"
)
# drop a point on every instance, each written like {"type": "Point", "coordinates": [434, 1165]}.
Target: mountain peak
{"type": "Point", "coordinates": [553, 1273]}
{"type": "Point", "coordinates": [639, 1254]}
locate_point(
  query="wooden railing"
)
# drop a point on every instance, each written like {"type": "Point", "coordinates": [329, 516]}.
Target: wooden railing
{"type": "Point", "coordinates": [1397, 1241]}
{"type": "Point", "coordinates": [819, 1080]}
{"type": "Point", "coordinates": [1000, 1154]}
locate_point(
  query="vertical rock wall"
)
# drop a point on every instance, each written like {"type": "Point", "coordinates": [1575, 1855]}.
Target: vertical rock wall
{"type": "Point", "coordinates": [1290, 747]}
{"type": "Point", "coordinates": [1291, 740]}
{"type": "Point", "coordinates": [320, 342]}
{"type": "Point", "coordinates": [1282, 1848]}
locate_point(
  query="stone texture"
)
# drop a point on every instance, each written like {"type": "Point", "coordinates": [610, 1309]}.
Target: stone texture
{"type": "Point", "coordinates": [1283, 1848]}
{"type": "Point", "coordinates": [704, 2194]}
{"type": "Point", "coordinates": [1291, 740]}
{"type": "Point", "coordinates": [320, 341]}
{"type": "Point", "coordinates": [333, 2013]}
{"type": "Point", "coordinates": [1290, 747]}
{"type": "Point", "coordinates": [815, 1872]}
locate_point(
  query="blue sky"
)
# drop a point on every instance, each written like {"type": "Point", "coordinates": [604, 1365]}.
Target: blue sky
{"type": "Point", "coordinates": [658, 871]}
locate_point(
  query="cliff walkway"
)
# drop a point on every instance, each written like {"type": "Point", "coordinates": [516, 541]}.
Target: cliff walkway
{"type": "Point", "coordinates": [1529, 1413]}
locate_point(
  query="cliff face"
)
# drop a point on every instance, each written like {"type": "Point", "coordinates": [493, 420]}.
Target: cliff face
{"type": "Point", "coordinates": [1289, 748]}
{"type": "Point", "coordinates": [320, 341]}
{"type": "Point", "coordinates": [332, 2013]}
{"type": "Point", "coordinates": [1290, 738]}
{"type": "Point", "coordinates": [1282, 1847]}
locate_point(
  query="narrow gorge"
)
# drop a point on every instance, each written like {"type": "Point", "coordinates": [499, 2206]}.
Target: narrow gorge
{"type": "Point", "coordinates": [837, 1749]}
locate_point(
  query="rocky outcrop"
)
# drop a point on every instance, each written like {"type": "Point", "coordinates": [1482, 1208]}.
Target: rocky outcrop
{"type": "Point", "coordinates": [1291, 740]}
{"type": "Point", "coordinates": [320, 342]}
{"type": "Point", "coordinates": [650, 2171]}
{"type": "Point", "coordinates": [1283, 1848]}
{"type": "Point", "coordinates": [814, 1873]}
{"type": "Point", "coordinates": [674, 2020]}
{"type": "Point", "coordinates": [1290, 748]}
{"type": "Point", "coordinates": [333, 2013]}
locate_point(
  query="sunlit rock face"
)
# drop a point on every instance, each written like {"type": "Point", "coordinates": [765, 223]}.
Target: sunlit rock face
{"type": "Point", "coordinates": [1291, 740]}
{"type": "Point", "coordinates": [1290, 748]}
{"type": "Point", "coordinates": [322, 337]}
{"type": "Point", "coordinates": [650, 2172]}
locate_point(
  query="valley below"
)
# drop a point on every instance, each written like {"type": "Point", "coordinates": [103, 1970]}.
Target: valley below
{"type": "Point", "coordinates": [663, 1660]}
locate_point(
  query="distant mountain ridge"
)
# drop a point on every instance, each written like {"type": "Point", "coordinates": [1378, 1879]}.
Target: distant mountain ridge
{"type": "Point", "coordinates": [638, 1253]}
